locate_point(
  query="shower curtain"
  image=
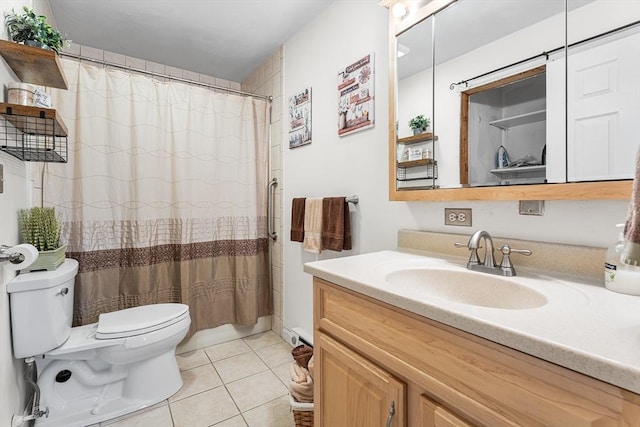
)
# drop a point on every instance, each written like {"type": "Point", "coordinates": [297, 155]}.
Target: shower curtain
{"type": "Point", "coordinates": [163, 197]}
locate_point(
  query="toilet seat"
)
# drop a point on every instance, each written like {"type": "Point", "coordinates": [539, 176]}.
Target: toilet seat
{"type": "Point", "coordinates": [139, 320]}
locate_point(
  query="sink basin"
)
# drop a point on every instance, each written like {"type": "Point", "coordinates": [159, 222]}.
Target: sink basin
{"type": "Point", "coordinates": [467, 287]}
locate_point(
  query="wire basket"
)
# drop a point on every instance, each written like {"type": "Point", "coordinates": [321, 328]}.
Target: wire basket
{"type": "Point", "coordinates": [302, 413]}
{"type": "Point", "coordinates": [33, 139]}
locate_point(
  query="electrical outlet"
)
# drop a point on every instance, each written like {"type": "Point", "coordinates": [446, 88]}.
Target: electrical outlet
{"type": "Point", "coordinates": [457, 216]}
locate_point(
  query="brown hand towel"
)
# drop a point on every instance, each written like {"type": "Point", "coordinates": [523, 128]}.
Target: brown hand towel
{"type": "Point", "coordinates": [297, 219]}
{"type": "Point", "coordinates": [312, 225]}
{"type": "Point", "coordinates": [631, 251]}
{"type": "Point", "coordinates": [301, 354]}
{"type": "Point", "coordinates": [336, 227]}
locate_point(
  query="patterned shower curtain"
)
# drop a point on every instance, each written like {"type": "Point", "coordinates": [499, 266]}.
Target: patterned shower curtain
{"type": "Point", "coordinates": [163, 197]}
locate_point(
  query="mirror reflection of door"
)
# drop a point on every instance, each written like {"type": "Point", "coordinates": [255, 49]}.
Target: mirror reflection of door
{"type": "Point", "coordinates": [604, 107]}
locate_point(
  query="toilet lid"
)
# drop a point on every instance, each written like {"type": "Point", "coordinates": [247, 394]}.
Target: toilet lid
{"type": "Point", "coordinates": [139, 320]}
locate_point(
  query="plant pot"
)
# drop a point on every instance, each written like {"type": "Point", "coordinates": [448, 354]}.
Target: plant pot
{"type": "Point", "coordinates": [418, 131]}
{"type": "Point", "coordinates": [47, 260]}
{"type": "Point", "coordinates": [35, 43]}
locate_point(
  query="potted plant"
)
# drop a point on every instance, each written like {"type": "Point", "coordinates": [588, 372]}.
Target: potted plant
{"type": "Point", "coordinates": [40, 227]}
{"type": "Point", "coordinates": [419, 124]}
{"type": "Point", "coordinates": [33, 30]}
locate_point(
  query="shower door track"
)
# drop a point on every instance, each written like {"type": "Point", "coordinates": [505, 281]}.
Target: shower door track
{"type": "Point", "coordinates": [104, 63]}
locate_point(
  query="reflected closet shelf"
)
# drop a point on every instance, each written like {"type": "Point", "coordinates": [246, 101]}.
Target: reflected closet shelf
{"type": "Point", "coordinates": [521, 119]}
{"type": "Point", "coordinates": [522, 169]}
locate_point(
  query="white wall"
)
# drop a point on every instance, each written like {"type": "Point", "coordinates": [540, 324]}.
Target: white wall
{"type": "Point", "coordinates": [357, 164]}
{"type": "Point", "coordinates": [332, 165]}
{"type": "Point", "coordinates": [16, 195]}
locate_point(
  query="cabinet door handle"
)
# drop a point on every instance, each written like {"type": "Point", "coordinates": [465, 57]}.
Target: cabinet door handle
{"type": "Point", "coordinates": [392, 412]}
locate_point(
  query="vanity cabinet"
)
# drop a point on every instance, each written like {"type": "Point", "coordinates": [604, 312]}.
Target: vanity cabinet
{"type": "Point", "coordinates": [355, 391]}
{"type": "Point", "coordinates": [369, 353]}
{"type": "Point", "coordinates": [435, 415]}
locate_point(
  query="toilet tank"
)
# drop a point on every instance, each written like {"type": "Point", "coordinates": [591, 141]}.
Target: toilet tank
{"type": "Point", "coordinates": [41, 305]}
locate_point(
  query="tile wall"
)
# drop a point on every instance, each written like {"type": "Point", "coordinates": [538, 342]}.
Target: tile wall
{"type": "Point", "coordinates": [154, 67]}
{"type": "Point", "coordinates": [267, 80]}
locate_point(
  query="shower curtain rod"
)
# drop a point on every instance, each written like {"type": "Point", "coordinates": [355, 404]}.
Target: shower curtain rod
{"type": "Point", "coordinates": [268, 98]}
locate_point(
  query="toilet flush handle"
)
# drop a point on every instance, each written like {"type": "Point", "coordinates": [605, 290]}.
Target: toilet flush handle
{"type": "Point", "coordinates": [63, 291]}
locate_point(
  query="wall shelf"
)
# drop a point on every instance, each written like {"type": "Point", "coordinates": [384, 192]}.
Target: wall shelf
{"type": "Point", "coordinates": [33, 134]}
{"type": "Point", "coordinates": [422, 137]}
{"type": "Point", "coordinates": [521, 119]}
{"type": "Point", "coordinates": [414, 163]}
{"type": "Point", "coordinates": [33, 64]}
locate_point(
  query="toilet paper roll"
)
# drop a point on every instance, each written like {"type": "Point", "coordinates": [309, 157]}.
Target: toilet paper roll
{"type": "Point", "coordinates": [28, 256]}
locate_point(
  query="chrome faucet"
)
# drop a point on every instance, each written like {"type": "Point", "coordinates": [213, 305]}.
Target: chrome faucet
{"type": "Point", "coordinates": [488, 265]}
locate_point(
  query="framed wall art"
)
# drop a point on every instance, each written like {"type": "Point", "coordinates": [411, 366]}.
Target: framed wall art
{"type": "Point", "coordinates": [356, 96]}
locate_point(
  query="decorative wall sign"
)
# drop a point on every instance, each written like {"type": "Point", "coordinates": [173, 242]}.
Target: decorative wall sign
{"type": "Point", "coordinates": [300, 118]}
{"type": "Point", "coordinates": [356, 96]}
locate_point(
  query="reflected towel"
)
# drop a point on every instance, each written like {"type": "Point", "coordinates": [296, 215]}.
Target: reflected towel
{"type": "Point", "coordinates": [313, 225]}
{"type": "Point", "coordinates": [631, 251]}
{"type": "Point", "coordinates": [336, 227]}
{"type": "Point", "coordinates": [297, 219]}
{"type": "Point", "coordinates": [301, 384]}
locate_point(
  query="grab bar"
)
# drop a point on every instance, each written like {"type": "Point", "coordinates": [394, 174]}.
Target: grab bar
{"type": "Point", "coordinates": [270, 217]}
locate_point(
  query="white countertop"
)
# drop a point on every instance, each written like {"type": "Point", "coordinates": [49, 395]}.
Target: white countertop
{"type": "Point", "coordinates": [582, 327]}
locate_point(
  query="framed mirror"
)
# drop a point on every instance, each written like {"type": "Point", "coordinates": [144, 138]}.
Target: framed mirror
{"type": "Point", "coordinates": [496, 80]}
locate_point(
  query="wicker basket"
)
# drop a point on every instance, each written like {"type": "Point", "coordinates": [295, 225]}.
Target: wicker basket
{"type": "Point", "coordinates": [302, 413]}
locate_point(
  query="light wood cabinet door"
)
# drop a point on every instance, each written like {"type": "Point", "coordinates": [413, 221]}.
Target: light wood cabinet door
{"type": "Point", "coordinates": [352, 391]}
{"type": "Point", "coordinates": [434, 415]}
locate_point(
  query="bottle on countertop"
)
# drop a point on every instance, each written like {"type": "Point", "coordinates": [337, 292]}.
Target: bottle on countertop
{"type": "Point", "coordinates": [619, 276]}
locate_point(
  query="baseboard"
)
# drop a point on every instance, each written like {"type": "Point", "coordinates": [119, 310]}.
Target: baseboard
{"type": "Point", "coordinates": [224, 333]}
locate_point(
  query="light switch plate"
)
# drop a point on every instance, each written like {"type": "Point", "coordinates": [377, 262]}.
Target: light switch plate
{"type": "Point", "coordinates": [457, 216]}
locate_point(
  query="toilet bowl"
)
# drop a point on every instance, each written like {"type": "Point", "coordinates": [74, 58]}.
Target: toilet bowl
{"type": "Point", "coordinates": [92, 373]}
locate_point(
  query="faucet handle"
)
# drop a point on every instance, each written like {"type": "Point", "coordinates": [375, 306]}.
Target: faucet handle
{"type": "Point", "coordinates": [506, 250]}
{"type": "Point", "coordinates": [505, 264]}
{"type": "Point", "coordinates": [460, 245]}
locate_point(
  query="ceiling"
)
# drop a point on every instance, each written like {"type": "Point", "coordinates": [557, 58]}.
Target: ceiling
{"type": "Point", "coordinates": [222, 38]}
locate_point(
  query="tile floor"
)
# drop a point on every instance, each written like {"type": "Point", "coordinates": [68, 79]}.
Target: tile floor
{"type": "Point", "coordinates": [241, 383]}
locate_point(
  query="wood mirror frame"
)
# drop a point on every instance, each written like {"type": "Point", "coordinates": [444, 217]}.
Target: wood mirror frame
{"type": "Point", "coordinates": [566, 191]}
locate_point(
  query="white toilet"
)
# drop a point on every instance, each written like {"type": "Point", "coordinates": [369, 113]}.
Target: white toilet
{"type": "Point", "coordinates": [96, 372]}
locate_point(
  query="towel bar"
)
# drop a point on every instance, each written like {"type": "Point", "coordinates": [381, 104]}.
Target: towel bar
{"type": "Point", "coordinates": [352, 199]}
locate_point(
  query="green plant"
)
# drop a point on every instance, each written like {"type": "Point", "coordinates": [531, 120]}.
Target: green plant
{"type": "Point", "coordinates": [419, 122]}
{"type": "Point", "coordinates": [40, 227]}
{"type": "Point", "coordinates": [31, 27]}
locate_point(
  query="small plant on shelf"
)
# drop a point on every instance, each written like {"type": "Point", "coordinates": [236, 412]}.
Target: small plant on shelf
{"type": "Point", "coordinates": [419, 124]}
{"type": "Point", "coordinates": [33, 30]}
